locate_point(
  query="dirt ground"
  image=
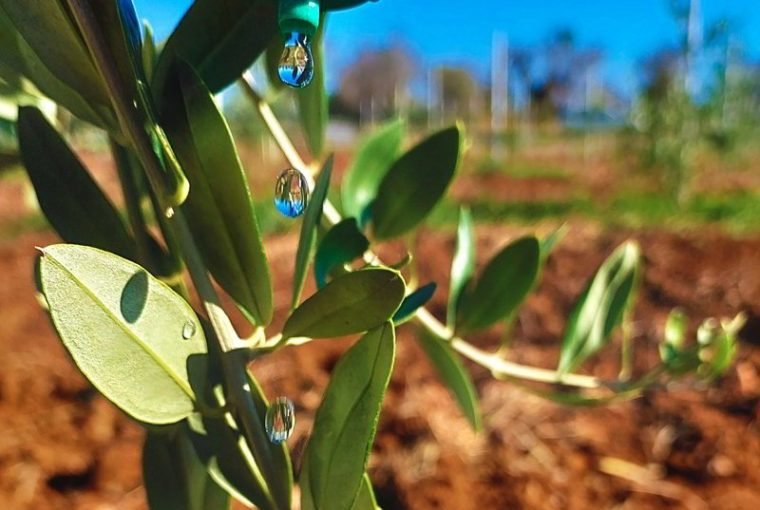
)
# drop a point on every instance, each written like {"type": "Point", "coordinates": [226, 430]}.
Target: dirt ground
{"type": "Point", "coordinates": [65, 447]}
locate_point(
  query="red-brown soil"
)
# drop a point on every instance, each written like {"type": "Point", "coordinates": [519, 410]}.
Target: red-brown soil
{"type": "Point", "coordinates": [64, 447]}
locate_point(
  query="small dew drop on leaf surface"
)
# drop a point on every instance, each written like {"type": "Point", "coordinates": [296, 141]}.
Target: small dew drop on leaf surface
{"type": "Point", "coordinates": [188, 330]}
{"type": "Point", "coordinates": [296, 67]}
{"type": "Point", "coordinates": [280, 420]}
{"type": "Point", "coordinates": [291, 193]}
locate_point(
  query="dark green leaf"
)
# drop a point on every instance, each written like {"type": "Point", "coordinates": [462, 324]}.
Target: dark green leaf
{"type": "Point", "coordinates": [130, 334]}
{"type": "Point", "coordinates": [415, 183]}
{"type": "Point", "coordinates": [342, 244]}
{"type": "Point", "coordinates": [365, 500]}
{"type": "Point", "coordinates": [149, 52]}
{"type": "Point", "coordinates": [307, 241]}
{"type": "Point", "coordinates": [462, 265]}
{"type": "Point", "coordinates": [219, 38]}
{"type": "Point", "coordinates": [341, 4]}
{"type": "Point", "coordinates": [312, 100]}
{"type": "Point", "coordinates": [351, 303]}
{"type": "Point", "coordinates": [18, 60]}
{"type": "Point", "coordinates": [49, 31]}
{"type": "Point", "coordinates": [412, 302]}
{"type": "Point", "coordinates": [373, 159]}
{"type": "Point", "coordinates": [219, 207]}
{"type": "Point", "coordinates": [453, 374]}
{"type": "Point", "coordinates": [601, 307]}
{"type": "Point", "coordinates": [71, 200]}
{"type": "Point", "coordinates": [272, 57]}
{"type": "Point", "coordinates": [345, 423]}
{"type": "Point", "coordinates": [501, 288]}
{"type": "Point", "coordinates": [175, 478]}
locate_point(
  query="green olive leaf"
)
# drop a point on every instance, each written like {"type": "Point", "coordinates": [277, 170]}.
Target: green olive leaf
{"type": "Point", "coordinates": [351, 303]}
{"type": "Point", "coordinates": [174, 477]}
{"type": "Point", "coordinates": [601, 307]}
{"type": "Point", "coordinates": [128, 333]}
{"type": "Point", "coordinates": [501, 287]}
{"type": "Point", "coordinates": [413, 302]}
{"type": "Point", "coordinates": [416, 183]}
{"type": "Point", "coordinates": [307, 240]}
{"type": "Point", "coordinates": [374, 157]}
{"type": "Point", "coordinates": [220, 39]}
{"type": "Point", "coordinates": [312, 100]}
{"type": "Point", "coordinates": [72, 201]}
{"type": "Point", "coordinates": [453, 374]}
{"type": "Point", "coordinates": [343, 243]}
{"type": "Point", "coordinates": [462, 265]}
{"type": "Point", "coordinates": [219, 207]}
{"type": "Point", "coordinates": [345, 423]}
{"type": "Point", "coordinates": [365, 500]}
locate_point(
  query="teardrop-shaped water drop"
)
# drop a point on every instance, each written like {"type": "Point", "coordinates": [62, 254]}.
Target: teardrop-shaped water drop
{"type": "Point", "coordinates": [188, 330]}
{"type": "Point", "coordinates": [291, 193]}
{"type": "Point", "coordinates": [296, 67]}
{"type": "Point", "coordinates": [280, 420]}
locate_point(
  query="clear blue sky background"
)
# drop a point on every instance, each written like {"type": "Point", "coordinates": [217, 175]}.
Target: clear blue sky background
{"type": "Point", "coordinates": [455, 32]}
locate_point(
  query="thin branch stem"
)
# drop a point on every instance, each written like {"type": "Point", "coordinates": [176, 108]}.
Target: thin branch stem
{"type": "Point", "coordinates": [497, 365]}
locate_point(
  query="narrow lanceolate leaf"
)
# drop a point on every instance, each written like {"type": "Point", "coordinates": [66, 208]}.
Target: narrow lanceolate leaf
{"type": "Point", "coordinates": [175, 478]}
{"type": "Point", "coordinates": [601, 307]}
{"type": "Point", "coordinates": [219, 206]}
{"type": "Point", "coordinates": [307, 241]}
{"type": "Point", "coordinates": [342, 244]}
{"type": "Point", "coordinates": [345, 423]}
{"type": "Point", "coordinates": [219, 38]}
{"type": "Point", "coordinates": [351, 303]}
{"type": "Point", "coordinates": [53, 36]}
{"type": "Point", "coordinates": [502, 287]}
{"type": "Point", "coordinates": [130, 334]}
{"type": "Point", "coordinates": [552, 240]}
{"type": "Point", "coordinates": [312, 100]}
{"type": "Point", "coordinates": [414, 302]}
{"type": "Point", "coordinates": [365, 500]}
{"type": "Point", "coordinates": [148, 52]}
{"type": "Point", "coordinates": [373, 159]}
{"type": "Point", "coordinates": [416, 183]}
{"type": "Point", "coordinates": [71, 200]}
{"type": "Point", "coordinates": [453, 374]}
{"type": "Point", "coordinates": [462, 265]}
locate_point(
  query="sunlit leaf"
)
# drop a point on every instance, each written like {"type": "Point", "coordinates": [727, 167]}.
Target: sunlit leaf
{"type": "Point", "coordinates": [462, 265]}
{"type": "Point", "coordinates": [351, 303]}
{"type": "Point", "coordinates": [345, 423]}
{"type": "Point", "coordinates": [130, 334]}
{"type": "Point", "coordinates": [312, 99]}
{"type": "Point", "coordinates": [416, 183]}
{"type": "Point", "coordinates": [501, 287]}
{"type": "Point", "coordinates": [365, 500]}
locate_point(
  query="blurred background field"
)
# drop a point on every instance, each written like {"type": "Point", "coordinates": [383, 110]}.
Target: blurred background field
{"type": "Point", "coordinates": [634, 120]}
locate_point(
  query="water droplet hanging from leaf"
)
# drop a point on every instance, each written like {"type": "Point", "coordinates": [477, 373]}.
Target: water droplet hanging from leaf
{"type": "Point", "coordinates": [291, 193]}
{"type": "Point", "coordinates": [280, 420]}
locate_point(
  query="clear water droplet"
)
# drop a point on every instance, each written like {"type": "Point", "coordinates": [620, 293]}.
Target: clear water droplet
{"type": "Point", "coordinates": [280, 420]}
{"type": "Point", "coordinates": [296, 66]}
{"type": "Point", "coordinates": [188, 330]}
{"type": "Point", "coordinates": [291, 193]}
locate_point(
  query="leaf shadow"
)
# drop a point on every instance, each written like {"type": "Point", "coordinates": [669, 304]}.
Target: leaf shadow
{"type": "Point", "coordinates": [134, 296]}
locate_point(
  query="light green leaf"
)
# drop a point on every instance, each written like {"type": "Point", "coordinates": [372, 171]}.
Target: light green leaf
{"type": "Point", "coordinates": [453, 374]}
{"type": "Point", "coordinates": [462, 265]}
{"type": "Point", "coordinates": [351, 303]}
{"type": "Point", "coordinates": [365, 500]}
{"type": "Point", "coordinates": [374, 157]}
{"type": "Point", "coordinates": [675, 328]}
{"type": "Point", "coordinates": [174, 477]}
{"type": "Point", "coordinates": [413, 302]}
{"type": "Point", "coordinates": [342, 244]}
{"type": "Point", "coordinates": [415, 183]}
{"type": "Point", "coordinates": [502, 286]}
{"type": "Point", "coordinates": [219, 206]}
{"type": "Point", "coordinates": [71, 200]}
{"type": "Point", "coordinates": [345, 423]}
{"type": "Point", "coordinates": [312, 100]}
{"type": "Point", "coordinates": [552, 240]}
{"type": "Point", "coordinates": [149, 52]}
{"type": "Point", "coordinates": [307, 240]}
{"type": "Point", "coordinates": [130, 334]}
{"type": "Point", "coordinates": [219, 38]}
{"type": "Point", "coordinates": [600, 308]}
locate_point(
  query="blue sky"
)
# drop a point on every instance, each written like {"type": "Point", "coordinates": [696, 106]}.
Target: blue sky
{"type": "Point", "coordinates": [449, 32]}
